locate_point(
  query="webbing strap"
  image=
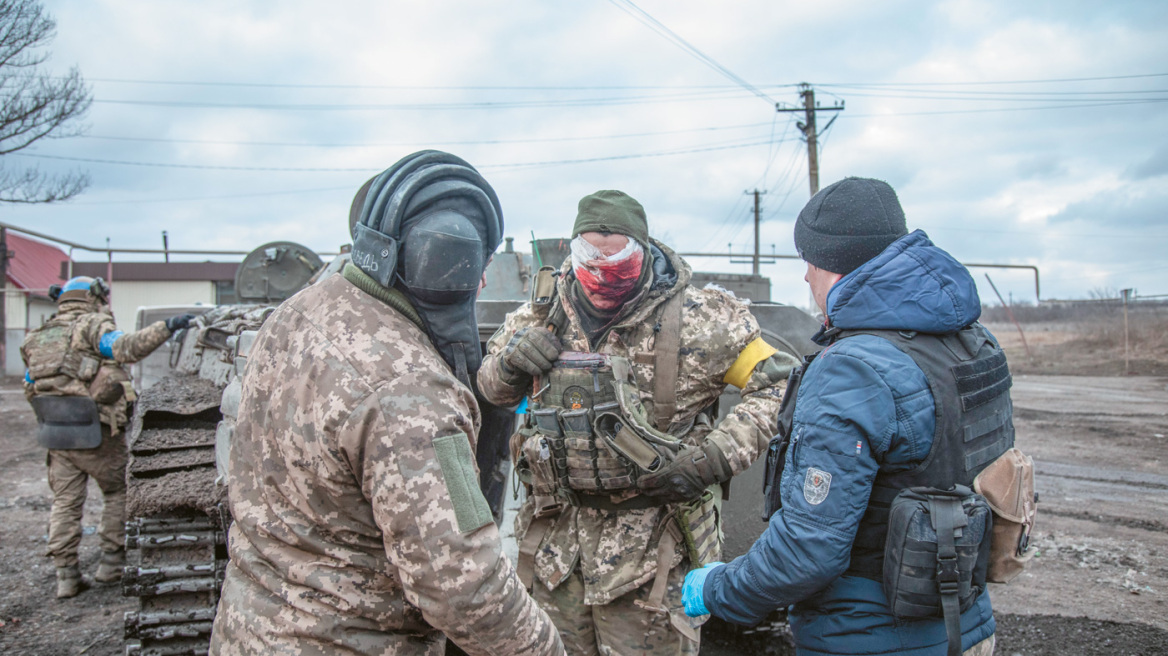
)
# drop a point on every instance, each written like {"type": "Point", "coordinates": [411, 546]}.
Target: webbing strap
{"type": "Point", "coordinates": [525, 568]}
{"type": "Point", "coordinates": [665, 549]}
{"type": "Point", "coordinates": [667, 355]}
{"type": "Point", "coordinates": [946, 516]}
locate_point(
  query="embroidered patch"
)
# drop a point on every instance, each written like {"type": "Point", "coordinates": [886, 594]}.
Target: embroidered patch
{"type": "Point", "coordinates": [816, 485]}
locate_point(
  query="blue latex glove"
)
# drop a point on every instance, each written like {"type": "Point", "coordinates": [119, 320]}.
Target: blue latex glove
{"type": "Point", "coordinates": [691, 592]}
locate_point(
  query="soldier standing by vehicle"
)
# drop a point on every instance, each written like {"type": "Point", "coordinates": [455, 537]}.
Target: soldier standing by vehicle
{"type": "Point", "coordinates": [619, 452]}
{"type": "Point", "coordinates": [80, 393]}
{"type": "Point", "coordinates": [359, 525]}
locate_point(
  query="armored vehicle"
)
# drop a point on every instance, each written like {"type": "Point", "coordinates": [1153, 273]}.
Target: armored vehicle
{"type": "Point", "coordinates": [188, 396]}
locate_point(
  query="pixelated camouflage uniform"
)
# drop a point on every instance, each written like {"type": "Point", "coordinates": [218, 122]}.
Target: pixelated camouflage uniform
{"type": "Point", "coordinates": [359, 524]}
{"type": "Point", "coordinates": [70, 469]}
{"type": "Point", "coordinates": [614, 553]}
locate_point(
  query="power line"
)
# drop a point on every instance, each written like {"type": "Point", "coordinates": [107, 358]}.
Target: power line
{"type": "Point", "coordinates": [660, 28]}
{"type": "Point", "coordinates": [501, 104]}
{"type": "Point", "coordinates": [464, 142]}
{"type": "Point", "coordinates": [196, 199]}
{"type": "Point", "coordinates": [597, 87]}
{"type": "Point", "coordinates": [510, 166]}
{"type": "Point", "coordinates": [966, 96]}
{"type": "Point", "coordinates": [998, 110]}
{"type": "Point", "coordinates": [398, 87]}
{"type": "Point", "coordinates": [1041, 81]}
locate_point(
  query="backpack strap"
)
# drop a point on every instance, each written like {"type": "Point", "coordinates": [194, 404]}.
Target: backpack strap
{"type": "Point", "coordinates": [948, 518]}
{"type": "Point", "coordinates": [667, 355]}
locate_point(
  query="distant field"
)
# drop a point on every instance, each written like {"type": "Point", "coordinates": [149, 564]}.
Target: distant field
{"type": "Point", "coordinates": [1086, 339]}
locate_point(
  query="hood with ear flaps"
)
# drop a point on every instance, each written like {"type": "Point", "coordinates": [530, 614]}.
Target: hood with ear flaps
{"type": "Point", "coordinates": [427, 226]}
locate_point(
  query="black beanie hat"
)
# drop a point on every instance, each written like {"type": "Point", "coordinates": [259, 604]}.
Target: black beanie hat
{"type": "Point", "coordinates": [848, 223]}
{"type": "Point", "coordinates": [612, 211]}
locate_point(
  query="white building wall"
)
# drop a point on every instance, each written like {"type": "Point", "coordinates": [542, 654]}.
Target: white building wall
{"type": "Point", "coordinates": [128, 296]}
{"type": "Point", "coordinates": [14, 317]}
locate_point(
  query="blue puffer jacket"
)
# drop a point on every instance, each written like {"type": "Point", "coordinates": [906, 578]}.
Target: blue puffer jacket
{"type": "Point", "coordinates": [863, 407]}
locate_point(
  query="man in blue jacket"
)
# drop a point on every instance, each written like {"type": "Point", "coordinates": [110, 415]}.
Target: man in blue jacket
{"type": "Point", "coordinates": [865, 425]}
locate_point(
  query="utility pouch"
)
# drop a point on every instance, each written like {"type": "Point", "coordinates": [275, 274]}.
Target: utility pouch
{"type": "Point", "coordinates": [543, 289]}
{"type": "Point", "coordinates": [67, 422]}
{"type": "Point", "coordinates": [615, 432]}
{"type": "Point", "coordinates": [107, 386]}
{"type": "Point", "coordinates": [535, 465]}
{"type": "Point", "coordinates": [936, 555]}
{"type": "Point", "coordinates": [1008, 486]}
{"type": "Point", "coordinates": [701, 530]}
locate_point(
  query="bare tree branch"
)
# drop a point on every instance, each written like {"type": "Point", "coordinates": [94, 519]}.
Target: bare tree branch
{"type": "Point", "coordinates": [36, 105]}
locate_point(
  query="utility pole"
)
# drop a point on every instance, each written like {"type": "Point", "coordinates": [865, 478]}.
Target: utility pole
{"type": "Point", "coordinates": [757, 220]}
{"type": "Point", "coordinates": [808, 126]}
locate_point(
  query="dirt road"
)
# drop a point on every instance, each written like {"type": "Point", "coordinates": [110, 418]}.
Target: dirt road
{"type": "Point", "coordinates": [1102, 457]}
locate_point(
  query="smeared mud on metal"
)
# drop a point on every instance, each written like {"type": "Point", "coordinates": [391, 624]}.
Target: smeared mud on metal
{"type": "Point", "coordinates": [192, 491]}
{"type": "Point", "coordinates": [163, 439]}
{"type": "Point", "coordinates": [147, 466]}
{"type": "Point", "coordinates": [181, 394]}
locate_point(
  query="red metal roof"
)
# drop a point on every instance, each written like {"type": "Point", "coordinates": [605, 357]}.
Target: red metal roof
{"type": "Point", "coordinates": [35, 265]}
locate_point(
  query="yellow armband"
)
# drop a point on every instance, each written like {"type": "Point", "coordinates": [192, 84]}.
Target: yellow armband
{"type": "Point", "coordinates": [748, 359]}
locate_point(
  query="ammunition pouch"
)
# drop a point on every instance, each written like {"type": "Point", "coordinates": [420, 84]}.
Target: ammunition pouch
{"type": "Point", "coordinates": [701, 527]}
{"type": "Point", "coordinates": [591, 437]}
{"type": "Point", "coordinates": [67, 422]}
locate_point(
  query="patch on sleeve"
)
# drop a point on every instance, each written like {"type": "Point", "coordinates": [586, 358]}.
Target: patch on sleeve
{"type": "Point", "coordinates": [816, 485]}
{"type": "Point", "coordinates": [457, 462]}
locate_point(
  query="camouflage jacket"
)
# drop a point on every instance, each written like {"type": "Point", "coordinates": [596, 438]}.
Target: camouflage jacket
{"type": "Point", "coordinates": [616, 550]}
{"type": "Point", "coordinates": [95, 344]}
{"type": "Point", "coordinates": [359, 523]}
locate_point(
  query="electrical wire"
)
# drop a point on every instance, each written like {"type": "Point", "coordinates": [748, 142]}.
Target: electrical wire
{"type": "Point", "coordinates": [660, 28]}
{"type": "Point", "coordinates": [433, 106]}
{"type": "Point", "coordinates": [463, 142]}
{"type": "Point", "coordinates": [510, 166]}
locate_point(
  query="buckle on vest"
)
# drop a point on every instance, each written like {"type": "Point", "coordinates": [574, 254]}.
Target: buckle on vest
{"type": "Point", "coordinates": [947, 576]}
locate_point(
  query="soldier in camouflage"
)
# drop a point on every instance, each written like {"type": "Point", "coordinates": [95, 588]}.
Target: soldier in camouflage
{"type": "Point", "coordinates": [78, 355]}
{"type": "Point", "coordinates": [608, 567]}
{"type": "Point", "coordinates": [359, 525]}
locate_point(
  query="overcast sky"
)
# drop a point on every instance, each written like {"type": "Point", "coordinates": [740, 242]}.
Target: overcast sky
{"type": "Point", "coordinates": [1014, 132]}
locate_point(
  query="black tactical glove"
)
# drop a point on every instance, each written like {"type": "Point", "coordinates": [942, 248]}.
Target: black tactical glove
{"type": "Point", "coordinates": [178, 322]}
{"type": "Point", "coordinates": [530, 352]}
{"type": "Point", "coordinates": [686, 474]}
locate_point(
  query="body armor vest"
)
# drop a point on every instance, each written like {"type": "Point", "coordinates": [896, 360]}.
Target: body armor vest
{"type": "Point", "coordinates": [970, 382]}
{"type": "Point", "coordinates": [65, 419]}
{"type": "Point", "coordinates": [49, 352]}
{"type": "Point", "coordinates": [575, 391]}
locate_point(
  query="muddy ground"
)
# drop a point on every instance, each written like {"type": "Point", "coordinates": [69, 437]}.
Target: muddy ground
{"type": "Point", "coordinates": [1098, 586]}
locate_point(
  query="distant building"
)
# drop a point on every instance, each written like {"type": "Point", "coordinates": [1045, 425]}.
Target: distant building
{"type": "Point", "coordinates": [34, 266]}
{"type": "Point", "coordinates": [142, 284]}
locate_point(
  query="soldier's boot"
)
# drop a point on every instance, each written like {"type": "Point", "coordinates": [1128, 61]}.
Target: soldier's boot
{"type": "Point", "coordinates": [70, 582]}
{"type": "Point", "coordinates": [109, 569]}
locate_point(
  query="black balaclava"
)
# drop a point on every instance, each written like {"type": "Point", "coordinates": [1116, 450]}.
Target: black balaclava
{"type": "Point", "coordinates": [428, 226]}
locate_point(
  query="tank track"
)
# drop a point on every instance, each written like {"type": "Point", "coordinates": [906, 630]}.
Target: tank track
{"type": "Point", "coordinates": [175, 567]}
{"type": "Point", "coordinates": [176, 546]}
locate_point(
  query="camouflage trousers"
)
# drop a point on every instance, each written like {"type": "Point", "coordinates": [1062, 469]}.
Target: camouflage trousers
{"type": "Point", "coordinates": [983, 648]}
{"type": "Point", "coordinates": [69, 473]}
{"type": "Point", "coordinates": [619, 628]}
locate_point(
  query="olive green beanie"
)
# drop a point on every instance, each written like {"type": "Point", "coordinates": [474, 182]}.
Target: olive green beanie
{"type": "Point", "coordinates": [612, 211]}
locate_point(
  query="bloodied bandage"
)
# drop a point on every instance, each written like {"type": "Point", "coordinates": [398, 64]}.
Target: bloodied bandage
{"type": "Point", "coordinates": [613, 276]}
